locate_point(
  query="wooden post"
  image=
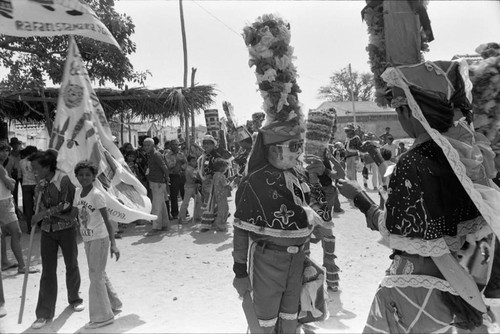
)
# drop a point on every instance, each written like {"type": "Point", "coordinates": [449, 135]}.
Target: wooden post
{"type": "Point", "coordinates": [121, 128]}
{"type": "Point", "coordinates": [193, 126]}
{"type": "Point", "coordinates": [48, 121]}
{"type": "Point", "coordinates": [184, 111]}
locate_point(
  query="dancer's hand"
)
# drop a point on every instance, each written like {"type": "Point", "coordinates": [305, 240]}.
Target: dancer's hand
{"type": "Point", "coordinates": [314, 165]}
{"type": "Point", "coordinates": [349, 189]}
{"type": "Point", "coordinates": [114, 250]}
{"type": "Point", "coordinates": [242, 285]}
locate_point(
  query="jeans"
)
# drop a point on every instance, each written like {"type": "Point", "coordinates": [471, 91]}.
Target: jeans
{"type": "Point", "coordinates": [28, 204]}
{"type": "Point", "coordinates": [102, 297]}
{"type": "Point", "coordinates": [191, 192]}
{"type": "Point", "coordinates": [175, 188]}
{"type": "Point", "coordinates": [49, 246]}
{"type": "Point", "coordinates": [159, 191]}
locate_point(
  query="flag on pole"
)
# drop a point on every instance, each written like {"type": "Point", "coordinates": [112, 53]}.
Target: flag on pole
{"type": "Point", "coordinates": [25, 18]}
{"type": "Point", "coordinates": [81, 132]}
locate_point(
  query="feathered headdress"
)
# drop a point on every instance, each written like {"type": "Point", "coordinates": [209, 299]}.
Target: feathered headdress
{"type": "Point", "coordinates": [398, 35]}
{"type": "Point", "coordinates": [319, 130]}
{"type": "Point", "coordinates": [485, 77]}
{"type": "Point", "coordinates": [268, 42]}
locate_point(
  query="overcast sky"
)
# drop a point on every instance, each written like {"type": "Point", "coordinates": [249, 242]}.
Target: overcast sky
{"type": "Point", "coordinates": [326, 36]}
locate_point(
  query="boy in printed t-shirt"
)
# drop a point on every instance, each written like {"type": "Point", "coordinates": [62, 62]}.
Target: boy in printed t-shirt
{"type": "Point", "coordinates": [98, 236]}
{"type": "Point", "coordinates": [191, 191]}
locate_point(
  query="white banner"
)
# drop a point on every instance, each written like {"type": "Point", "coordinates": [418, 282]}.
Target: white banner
{"type": "Point", "coordinates": [24, 18]}
{"type": "Point", "coordinates": [81, 132]}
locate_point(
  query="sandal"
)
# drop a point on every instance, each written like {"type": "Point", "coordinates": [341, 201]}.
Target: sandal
{"type": "Point", "coordinates": [31, 270]}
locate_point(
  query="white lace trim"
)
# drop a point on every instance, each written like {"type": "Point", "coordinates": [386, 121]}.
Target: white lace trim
{"type": "Point", "coordinates": [288, 316]}
{"type": "Point", "coordinates": [301, 233]}
{"type": "Point", "coordinates": [488, 209]}
{"type": "Point", "coordinates": [435, 247]}
{"type": "Point", "coordinates": [268, 323]}
{"type": "Point", "coordinates": [417, 281]}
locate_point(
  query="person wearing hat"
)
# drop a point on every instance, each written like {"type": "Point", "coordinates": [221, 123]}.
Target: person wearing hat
{"type": "Point", "coordinates": [352, 144]}
{"type": "Point", "coordinates": [370, 165]}
{"type": "Point", "coordinates": [176, 163]}
{"type": "Point", "coordinates": [211, 153]}
{"type": "Point", "coordinates": [271, 227]}
{"type": "Point", "coordinates": [436, 200]}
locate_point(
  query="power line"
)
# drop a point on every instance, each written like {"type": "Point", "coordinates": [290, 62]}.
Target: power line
{"type": "Point", "coordinates": [215, 17]}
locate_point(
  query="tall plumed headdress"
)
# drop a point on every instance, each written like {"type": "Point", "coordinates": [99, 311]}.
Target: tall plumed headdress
{"type": "Point", "coordinates": [398, 35]}
{"type": "Point", "coordinates": [319, 130]}
{"type": "Point", "coordinates": [268, 43]}
{"type": "Point", "coordinates": [485, 77]}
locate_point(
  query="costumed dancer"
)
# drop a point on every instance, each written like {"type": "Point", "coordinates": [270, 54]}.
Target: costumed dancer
{"type": "Point", "coordinates": [439, 195]}
{"type": "Point", "coordinates": [439, 192]}
{"type": "Point", "coordinates": [486, 106]}
{"type": "Point", "coordinates": [212, 153]}
{"type": "Point", "coordinates": [273, 221]}
{"type": "Point", "coordinates": [244, 140]}
{"type": "Point", "coordinates": [318, 134]}
{"type": "Point", "coordinates": [222, 190]}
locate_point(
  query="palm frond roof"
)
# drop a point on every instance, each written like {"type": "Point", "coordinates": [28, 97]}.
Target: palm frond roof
{"type": "Point", "coordinates": [162, 103]}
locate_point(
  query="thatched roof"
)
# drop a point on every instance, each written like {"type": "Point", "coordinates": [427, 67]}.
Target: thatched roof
{"type": "Point", "coordinates": [161, 103]}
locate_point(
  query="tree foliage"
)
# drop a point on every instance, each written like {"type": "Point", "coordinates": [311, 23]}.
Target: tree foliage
{"type": "Point", "coordinates": [341, 84]}
{"type": "Point", "coordinates": [30, 61]}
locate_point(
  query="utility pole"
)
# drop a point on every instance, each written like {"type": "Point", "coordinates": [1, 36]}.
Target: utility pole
{"type": "Point", "coordinates": [184, 112]}
{"type": "Point", "coordinates": [351, 86]}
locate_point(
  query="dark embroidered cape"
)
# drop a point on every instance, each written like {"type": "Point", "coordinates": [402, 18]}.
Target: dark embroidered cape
{"type": "Point", "coordinates": [426, 199]}
{"type": "Point", "coordinates": [272, 199]}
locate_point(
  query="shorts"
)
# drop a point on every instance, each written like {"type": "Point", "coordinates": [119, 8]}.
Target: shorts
{"type": "Point", "coordinates": [8, 211]}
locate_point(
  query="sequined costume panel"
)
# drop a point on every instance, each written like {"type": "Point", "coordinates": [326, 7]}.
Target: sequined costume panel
{"type": "Point", "coordinates": [426, 199]}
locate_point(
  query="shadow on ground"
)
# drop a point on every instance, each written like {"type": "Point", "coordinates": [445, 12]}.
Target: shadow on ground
{"type": "Point", "coordinates": [120, 325]}
{"type": "Point", "coordinates": [337, 313]}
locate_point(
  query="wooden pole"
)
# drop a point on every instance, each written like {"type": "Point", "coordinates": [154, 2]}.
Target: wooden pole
{"type": "Point", "coordinates": [351, 84]}
{"type": "Point", "coordinates": [184, 111]}
{"type": "Point", "coordinates": [28, 262]}
{"type": "Point", "coordinates": [48, 121]}
{"type": "Point", "coordinates": [121, 128]}
{"type": "Point", "coordinates": [193, 125]}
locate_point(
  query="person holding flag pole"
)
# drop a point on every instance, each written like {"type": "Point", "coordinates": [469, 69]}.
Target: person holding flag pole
{"type": "Point", "coordinates": [80, 131]}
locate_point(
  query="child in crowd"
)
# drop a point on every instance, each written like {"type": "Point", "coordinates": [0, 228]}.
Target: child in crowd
{"type": "Point", "coordinates": [130, 159]}
{"type": "Point", "coordinates": [387, 156]}
{"type": "Point", "coordinates": [98, 236]}
{"type": "Point", "coordinates": [191, 191]}
{"type": "Point", "coordinates": [222, 190]}
{"type": "Point", "coordinates": [8, 218]}
{"type": "Point", "coordinates": [28, 184]}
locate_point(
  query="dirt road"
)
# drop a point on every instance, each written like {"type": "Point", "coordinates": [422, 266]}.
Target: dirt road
{"type": "Point", "coordinates": [181, 282]}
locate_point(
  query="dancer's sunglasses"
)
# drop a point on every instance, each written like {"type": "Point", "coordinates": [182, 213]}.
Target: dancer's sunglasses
{"type": "Point", "coordinates": [293, 147]}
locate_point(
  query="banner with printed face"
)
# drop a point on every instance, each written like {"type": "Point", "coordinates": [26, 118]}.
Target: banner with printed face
{"type": "Point", "coordinates": [24, 18]}
{"type": "Point", "coordinates": [81, 132]}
